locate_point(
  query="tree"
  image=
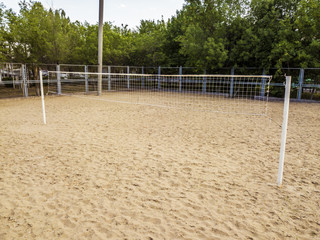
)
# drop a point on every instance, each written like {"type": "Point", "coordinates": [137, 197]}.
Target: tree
{"type": "Point", "coordinates": [307, 26]}
{"type": "Point", "coordinates": [273, 26]}
{"type": "Point", "coordinates": [117, 44]}
{"type": "Point", "coordinates": [60, 45]}
{"type": "Point", "coordinates": [203, 41]}
{"type": "Point", "coordinates": [33, 31]}
{"type": "Point", "coordinates": [171, 44]}
{"type": "Point", "coordinates": [148, 45]}
{"type": "Point", "coordinates": [2, 31]}
{"type": "Point", "coordinates": [207, 34]}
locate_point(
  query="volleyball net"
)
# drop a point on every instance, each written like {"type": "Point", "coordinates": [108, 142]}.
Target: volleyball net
{"type": "Point", "coordinates": [240, 94]}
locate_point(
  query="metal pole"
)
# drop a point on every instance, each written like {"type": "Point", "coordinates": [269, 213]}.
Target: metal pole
{"type": "Point", "coordinates": [42, 99]}
{"type": "Point", "coordinates": [263, 86]}
{"type": "Point", "coordinates": [100, 47]}
{"type": "Point", "coordinates": [301, 77]}
{"type": "Point", "coordinates": [12, 76]}
{"type": "Point", "coordinates": [180, 79]}
{"type": "Point", "coordinates": [109, 78]}
{"type": "Point", "coordinates": [58, 80]}
{"type": "Point", "coordinates": [284, 129]}
{"type": "Point", "coordinates": [231, 83]}
{"type": "Point", "coordinates": [159, 77]}
{"type": "Point", "coordinates": [204, 83]}
{"type": "Point", "coordinates": [86, 79]}
{"type": "Point", "coordinates": [24, 78]}
{"type": "Point", "coordinates": [128, 77]}
{"type": "Point", "coordinates": [142, 71]}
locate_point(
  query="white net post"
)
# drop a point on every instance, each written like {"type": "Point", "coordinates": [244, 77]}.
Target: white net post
{"type": "Point", "coordinates": [42, 99]}
{"type": "Point", "coordinates": [284, 129]}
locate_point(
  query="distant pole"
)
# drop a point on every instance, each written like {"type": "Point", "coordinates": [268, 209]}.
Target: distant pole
{"type": "Point", "coordinates": [142, 72]}
{"type": "Point", "coordinates": [58, 80]}
{"type": "Point", "coordinates": [263, 86]}
{"type": "Point", "coordinates": [231, 83]}
{"type": "Point", "coordinates": [109, 78]}
{"type": "Point", "coordinates": [100, 47]}
{"type": "Point", "coordinates": [24, 78]}
{"type": "Point", "coordinates": [204, 82]}
{"type": "Point", "coordinates": [128, 77]}
{"type": "Point", "coordinates": [301, 77]}
{"type": "Point", "coordinates": [180, 79]}
{"type": "Point", "coordinates": [159, 77]}
{"type": "Point", "coordinates": [86, 79]}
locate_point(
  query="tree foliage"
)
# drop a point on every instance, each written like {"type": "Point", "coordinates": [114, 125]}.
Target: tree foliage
{"type": "Point", "coordinates": [207, 34]}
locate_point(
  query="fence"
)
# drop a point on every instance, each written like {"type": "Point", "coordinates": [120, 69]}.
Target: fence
{"type": "Point", "coordinates": [22, 80]}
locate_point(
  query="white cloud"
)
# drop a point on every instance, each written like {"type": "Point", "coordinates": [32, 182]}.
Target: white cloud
{"type": "Point", "coordinates": [123, 5]}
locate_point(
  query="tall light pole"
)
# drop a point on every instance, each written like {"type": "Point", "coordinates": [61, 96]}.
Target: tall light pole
{"type": "Point", "coordinates": [100, 47]}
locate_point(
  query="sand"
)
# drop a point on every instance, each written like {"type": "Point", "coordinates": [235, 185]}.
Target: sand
{"type": "Point", "coordinates": [106, 170]}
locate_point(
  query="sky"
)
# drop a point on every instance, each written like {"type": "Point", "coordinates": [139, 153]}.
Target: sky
{"type": "Point", "coordinates": [118, 12]}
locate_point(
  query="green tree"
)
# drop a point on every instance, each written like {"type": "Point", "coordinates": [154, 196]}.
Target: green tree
{"type": "Point", "coordinates": [59, 43]}
{"type": "Point", "coordinates": [2, 38]}
{"type": "Point", "coordinates": [15, 48]}
{"type": "Point", "coordinates": [33, 31]}
{"type": "Point", "coordinates": [148, 43]}
{"type": "Point", "coordinates": [171, 45]}
{"type": "Point", "coordinates": [307, 26]}
{"type": "Point", "coordinates": [205, 34]}
{"type": "Point", "coordinates": [117, 42]}
{"type": "Point", "coordinates": [275, 36]}
{"type": "Point", "coordinates": [204, 39]}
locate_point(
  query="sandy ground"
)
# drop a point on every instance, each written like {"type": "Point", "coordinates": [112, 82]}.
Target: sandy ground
{"type": "Point", "coordinates": [106, 170]}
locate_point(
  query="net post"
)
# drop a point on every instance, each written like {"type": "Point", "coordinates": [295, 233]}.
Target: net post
{"type": "Point", "coordinates": [24, 78]}
{"type": "Point", "coordinates": [128, 77]}
{"type": "Point", "coordinates": [58, 80]}
{"type": "Point", "coordinates": [284, 128]}
{"type": "Point", "coordinates": [204, 82]}
{"type": "Point", "coordinates": [42, 99]}
{"type": "Point", "coordinates": [109, 78]}
{"type": "Point", "coordinates": [231, 83]}
{"type": "Point", "coordinates": [142, 71]}
{"type": "Point", "coordinates": [301, 77]}
{"type": "Point", "coordinates": [263, 84]}
{"type": "Point", "coordinates": [86, 79]}
{"type": "Point", "coordinates": [159, 77]}
{"type": "Point", "coordinates": [180, 79]}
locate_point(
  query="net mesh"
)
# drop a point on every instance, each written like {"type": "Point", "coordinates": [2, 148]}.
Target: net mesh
{"type": "Point", "coordinates": [218, 93]}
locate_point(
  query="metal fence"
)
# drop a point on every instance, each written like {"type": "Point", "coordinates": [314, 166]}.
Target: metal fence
{"type": "Point", "coordinates": [22, 80]}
